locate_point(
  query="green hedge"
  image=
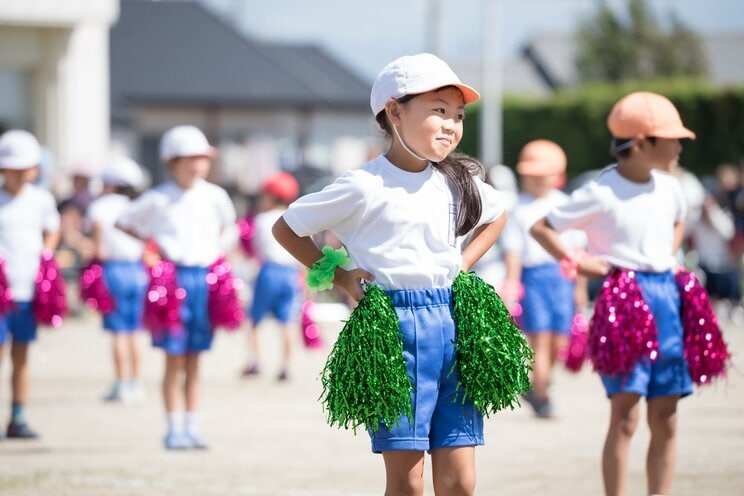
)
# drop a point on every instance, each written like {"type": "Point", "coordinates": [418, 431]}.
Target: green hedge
{"type": "Point", "coordinates": [576, 121]}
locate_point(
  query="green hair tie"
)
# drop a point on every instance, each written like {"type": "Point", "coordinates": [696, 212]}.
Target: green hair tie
{"type": "Point", "coordinates": [320, 276]}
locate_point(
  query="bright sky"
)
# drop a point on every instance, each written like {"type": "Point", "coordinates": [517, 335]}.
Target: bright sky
{"type": "Point", "coordinates": [368, 34]}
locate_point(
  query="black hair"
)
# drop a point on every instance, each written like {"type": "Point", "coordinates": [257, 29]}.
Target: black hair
{"type": "Point", "coordinates": [127, 191]}
{"type": "Point", "coordinates": [620, 147]}
{"type": "Point", "coordinates": [459, 169]}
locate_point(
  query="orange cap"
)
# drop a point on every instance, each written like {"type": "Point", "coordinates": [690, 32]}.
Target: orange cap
{"type": "Point", "coordinates": [644, 114]}
{"type": "Point", "coordinates": [541, 158]}
{"type": "Point", "coordinates": [283, 186]}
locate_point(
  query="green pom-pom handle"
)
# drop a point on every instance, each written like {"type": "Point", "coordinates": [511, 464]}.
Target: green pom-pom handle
{"type": "Point", "coordinates": [320, 276]}
{"type": "Point", "coordinates": [364, 379]}
{"type": "Point", "coordinates": [493, 357]}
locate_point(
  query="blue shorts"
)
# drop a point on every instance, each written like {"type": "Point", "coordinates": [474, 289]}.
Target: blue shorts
{"type": "Point", "coordinates": [548, 302]}
{"type": "Point", "coordinates": [440, 419]}
{"type": "Point", "coordinates": [127, 283]}
{"type": "Point", "coordinates": [668, 374]}
{"type": "Point", "coordinates": [276, 292]}
{"type": "Point", "coordinates": [19, 324]}
{"type": "Point", "coordinates": [196, 332]}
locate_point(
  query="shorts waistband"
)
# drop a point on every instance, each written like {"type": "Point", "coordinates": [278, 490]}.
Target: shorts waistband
{"type": "Point", "coordinates": [420, 297]}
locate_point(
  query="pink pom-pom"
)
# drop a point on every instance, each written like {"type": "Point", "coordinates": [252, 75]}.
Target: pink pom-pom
{"type": "Point", "coordinates": [247, 230]}
{"type": "Point", "coordinates": [93, 289]}
{"type": "Point", "coordinates": [576, 351]}
{"type": "Point", "coordinates": [622, 330]}
{"type": "Point", "coordinates": [225, 309]}
{"type": "Point", "coordinates": [50, 303]}
{"type": "Point", "coordinates": [310, 329]}
{"type": "Point", "coordinates": [163, 300]}
{"type": "Point", "coordinates": [704, 348]}
{"type": "Point", "coordinates": [6, 294]}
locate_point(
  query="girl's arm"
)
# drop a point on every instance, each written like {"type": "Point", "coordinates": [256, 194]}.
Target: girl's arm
{"type": "Point", "coordinates": [304, 250]}
{"type": "Point", "coordinates": [679, 234]}
{"type": "Point", "coordinates": [95, 236]}
{"type": "Point", "coordinates": [511, 288]}
{"type": "Point", "coordinates": [51, 239]}
{"type": "Point", "coordinates": [483, 239]}
{"type": "Point", "coordinates": [548, 237]}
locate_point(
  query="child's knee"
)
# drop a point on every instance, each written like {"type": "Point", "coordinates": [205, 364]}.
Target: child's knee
{"type": "Point", "coordinates": [406, 485]}
{"type": "Point", "coordinates": [455, 483]}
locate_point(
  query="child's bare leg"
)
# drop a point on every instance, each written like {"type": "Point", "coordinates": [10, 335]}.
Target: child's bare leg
{"type": "Point", "coordinates": [404, 473]}
{"type": "Point", "coordinates": [662, 420]}
{"type": "Point", "coordinates": [453, 471]}
{"type": "Point", "coordinates": [192, 382]}
{"type": "Point", "coordinates": [135, 355]}
{"type": "Point", "coordinates": [120, 353]}
{"type": "Point", "coordinates": [623, 423]}
{"type": "Point", "coordinates": [20, 376]}
{"type": "Point", "coordinates": [540, 342]}
{"type": "Point", "coordinates": [174, 366]}
{"type": "Point", "coordinates": [287, 346]}
{"type": "Point", "coordinates": [557, 343]}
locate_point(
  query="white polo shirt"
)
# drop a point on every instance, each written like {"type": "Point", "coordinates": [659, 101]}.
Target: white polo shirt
{"type": "Point", "coordinates": [115, 243]}
{"type": "Point", "coordinates": [267, 247]}
{"type": "Point", "coordinates": [23, 221]}
{"type": "Point", "coordinates": [628, 224]}
{"type": "Point", "coordinates": [186, 223]}
{"type": "Point", "coordinates": [398, 225]}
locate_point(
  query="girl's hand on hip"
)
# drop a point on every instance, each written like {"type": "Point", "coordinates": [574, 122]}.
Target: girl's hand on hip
{"type": "Point", "coordinates": [351, 281]}
{"type": "Point", "coordinates": [593, 267]}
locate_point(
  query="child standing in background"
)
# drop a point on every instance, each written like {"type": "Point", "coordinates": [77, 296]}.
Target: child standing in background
{"type": "Point", "coordinates": [29, 225]}
{"type": "Point", "coordinates": [277, 286]}
{"type": "Point", "coordinates": [186, 216]}
{"type": "Point", "coordinates": [123, 272]}
{"type": "Point", "coordinates": [404, 218]}
{"type": "Point", "coordinates": [633, 214]}
{"type": "Point", "coordinates": [533, 277]}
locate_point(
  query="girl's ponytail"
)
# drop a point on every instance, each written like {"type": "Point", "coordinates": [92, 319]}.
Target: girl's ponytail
{"type": "Point", "coordinates": [459, 169]}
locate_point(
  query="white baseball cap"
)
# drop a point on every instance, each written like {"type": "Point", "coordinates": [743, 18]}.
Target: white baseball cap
{"type": "Point", "coordinates": [413, 75]}
{"type": "Point", "coordinates": [19, 149]}
{"type": "Point", "coordinates": [123, 171]}
{"type": "Point", "coordinates": [184, 141]}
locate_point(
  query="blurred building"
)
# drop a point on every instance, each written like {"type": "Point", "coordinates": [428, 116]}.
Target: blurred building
{"type": "Point", "coordinates": [266, 105]}
{"type": "Point", "coordinates": [54, 74]}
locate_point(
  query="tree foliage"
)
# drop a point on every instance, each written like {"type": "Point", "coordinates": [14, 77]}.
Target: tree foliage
{"type": "Point", "coordinates": [636, 47]}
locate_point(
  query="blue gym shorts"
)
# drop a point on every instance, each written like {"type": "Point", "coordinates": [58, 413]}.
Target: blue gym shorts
{"type": "Point", "coordinates": [548, 301]}
{"type": "Point", "coordinates": [196, 332]}
{"type": "Point", "coordinates": [127, 283]}
{"type": "Point", "coordinates": [440, 419]}
{"type": "Point", "coordinates": [275, 292]}
{"type": "Point", "coordinates": [19, 324]}
{"type": "Point", "coordinates": [668, 374]}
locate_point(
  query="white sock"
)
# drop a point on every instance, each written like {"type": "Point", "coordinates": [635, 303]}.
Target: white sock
{"type": "Point", "coordinates": [192, 422]}
{"type": "Point", "coordinates": [175, 421]}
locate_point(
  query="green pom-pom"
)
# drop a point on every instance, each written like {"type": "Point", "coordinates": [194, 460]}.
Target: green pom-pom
{"type": "Point", "coordinates": [493, 357]}
{"type": "Point", "coordinates": [364, 379]}
{"type": "Point", "coordinates": [320, 276]}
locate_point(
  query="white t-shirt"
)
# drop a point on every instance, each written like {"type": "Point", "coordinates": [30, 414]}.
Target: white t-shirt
{"type": "Point", "coordinates": [186, 223]}
{"type": "Point", "coordinates": [628, 224]}
{"type": "Point", "coordinates": [267, 247]}
{"type": "Point", "coordinates": [115, 243]}
{"type": "Point", "coordinates": [398, 225]}
{"type": "Point", "coordinates": [23, 221]}
{"type": "Point", "coordinates": [516, 237]}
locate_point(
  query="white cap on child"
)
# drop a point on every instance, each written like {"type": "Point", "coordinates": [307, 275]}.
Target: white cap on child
{"type": "Point", "coordinates": [184, 141]}
{"type": "Point", "coordinates": [19, 149]}
{"type": "Point", "coordinates": [413, 75]}
{"type": "Point", "coordinates": [123, 171]}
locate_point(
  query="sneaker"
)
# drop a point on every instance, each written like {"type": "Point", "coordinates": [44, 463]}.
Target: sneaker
{"type": "Point", "coordinates": [283, 376]}
{"type": "Point", "coordinates": [116, 394]}
{"type": "Point", "coordinates": [21, 431]}
{"type": "Point", "coordinates": [177, 441]}
{"type": "Point", "coordinates": [196, 441]}
{"type": "Point", "coordinates": [250, 370]}
{"type": "Point", "coordinates": [542, 408]}
{"type": "Point", "coordinates": [135, 393]}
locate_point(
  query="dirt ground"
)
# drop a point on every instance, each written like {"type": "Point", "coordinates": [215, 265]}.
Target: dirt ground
{"type": "Point", "coordinates": [270, 438]}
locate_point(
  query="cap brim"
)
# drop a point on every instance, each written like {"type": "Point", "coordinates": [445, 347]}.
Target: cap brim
{"type": "Point", "coordinates": [675, 133]}
{"type": "Point", "coordinates": [468, 93]}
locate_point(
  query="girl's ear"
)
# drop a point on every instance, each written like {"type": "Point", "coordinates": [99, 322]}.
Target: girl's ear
{"type": "Point", "coordinates": [392, 110]}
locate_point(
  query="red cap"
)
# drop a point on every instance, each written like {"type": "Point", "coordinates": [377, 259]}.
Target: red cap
{"type": "Point", "coordinates": [643, 114]}
{"type": "Point", "coordinates": [283, 186]}
{"type": "Point", "coordinates": [541, 158]}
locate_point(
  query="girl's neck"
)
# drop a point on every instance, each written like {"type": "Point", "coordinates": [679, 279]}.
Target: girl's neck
{"type": "Point", "coordinates": [14, 189]}
{"type": "Point", "coordinates": [633, 170]}
{"type": "Point", "coordinates": [404, 160]}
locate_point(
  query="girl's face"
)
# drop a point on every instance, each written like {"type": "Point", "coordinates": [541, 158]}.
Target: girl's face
{"type": "Point", "coordinates": [664, 154]}
{"type": "Point", "coordinates": [15, 179]}
{"type": "Point", "coordinates": [539, 186]}
{"type": "Point", "coordinates": [186, 170]}
{"type": "Point", "coordinates": [431, 123]}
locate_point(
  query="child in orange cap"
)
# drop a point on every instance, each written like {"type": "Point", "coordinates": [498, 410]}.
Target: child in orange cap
{"type": "Point", "coordinates": [633, 216]}
{"type": "Point", "coordinates": [534, 287]}
{"type": "Point", "coordinates": [277, 286]}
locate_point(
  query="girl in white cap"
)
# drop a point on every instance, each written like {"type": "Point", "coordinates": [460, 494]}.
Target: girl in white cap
{"type": "Point", "coordinates": [29, 225]}
{"type": "Point", "coordinates": [404, 218]}
{"type": "Point", "coordinates": [633, 218]}
{"type": "Point", "coordinates": [123, 272]}
{"type": "Point", "coordinates": [186, 217]}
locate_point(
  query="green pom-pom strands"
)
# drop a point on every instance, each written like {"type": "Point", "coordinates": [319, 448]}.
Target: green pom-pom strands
{"type": "Point", "coordinates": [364, 379]}
{"type": "Point", "coordinates": [493, 357]}
{"type": "Point", "coordinates": [320, 276]}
